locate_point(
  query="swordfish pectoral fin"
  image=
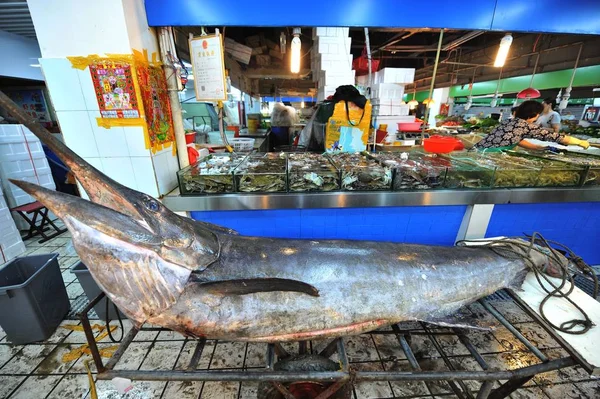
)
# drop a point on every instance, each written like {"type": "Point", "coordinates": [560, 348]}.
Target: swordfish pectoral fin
{"type": "Point", "coordinates": [461, 320]}
{"type": "Point", "coordinates": [253, 285]}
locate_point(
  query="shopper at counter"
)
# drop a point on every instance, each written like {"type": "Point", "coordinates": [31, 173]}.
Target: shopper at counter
{"type": "Point", "coordinates": [510, 133]}
{"type": "Point", "coordinates": [549, 118]}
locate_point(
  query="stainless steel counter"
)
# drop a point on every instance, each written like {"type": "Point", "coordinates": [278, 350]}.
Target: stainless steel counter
{"type": "Point", "coordinates": [176, 202]}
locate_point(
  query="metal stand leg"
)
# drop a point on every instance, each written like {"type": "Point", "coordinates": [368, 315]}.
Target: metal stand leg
{"type": "Point", "coordinates": [509, 387]}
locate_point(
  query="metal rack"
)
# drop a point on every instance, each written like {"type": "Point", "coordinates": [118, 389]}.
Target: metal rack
{"type": "Point", "coordinates": [456, 380]}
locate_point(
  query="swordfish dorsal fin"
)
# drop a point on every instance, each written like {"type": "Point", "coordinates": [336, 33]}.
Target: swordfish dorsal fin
{"type": "Point", "coordinates": [253, 285]}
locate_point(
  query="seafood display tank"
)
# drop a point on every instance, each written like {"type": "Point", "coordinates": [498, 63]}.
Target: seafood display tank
{"type": "Point", "coordinates": [412, 198]}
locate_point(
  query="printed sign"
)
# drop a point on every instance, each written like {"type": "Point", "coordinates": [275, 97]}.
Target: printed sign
{"type": "Point", "coordinates": [208, 64]}
{"type": "Point", "coordinates": [115, 90]}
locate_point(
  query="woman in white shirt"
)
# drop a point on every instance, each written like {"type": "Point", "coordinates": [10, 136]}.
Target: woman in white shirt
{"type": "Point", "coordinates": [549, 118]}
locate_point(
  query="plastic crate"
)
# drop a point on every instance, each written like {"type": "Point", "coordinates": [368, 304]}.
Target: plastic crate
{"type": "Point", "coordinates": [33, 298]}
{"type": "Point", "coordinates": [92, 290]}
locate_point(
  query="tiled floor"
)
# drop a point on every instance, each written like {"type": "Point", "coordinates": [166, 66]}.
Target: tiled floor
{"type": "Point", "coordinates": [40, 370]}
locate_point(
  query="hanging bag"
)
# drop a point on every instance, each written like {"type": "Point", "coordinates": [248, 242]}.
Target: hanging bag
{"type": "Point", "coordinates": [361, 64]}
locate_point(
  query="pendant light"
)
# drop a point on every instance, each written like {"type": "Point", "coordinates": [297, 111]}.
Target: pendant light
{"type": "Point", "coordinates": [530, 92]}
{"type": "Point", "coordinates": [412, 104]}
{"type": "Point", "coordinates": [503, 50]}
{"type": "Point", "coordinates": [295, 56]}
{"type": "Point", "coordinates": [494, 101]}
{"type": "Point", "coordinates": [429, 102]}
{"type": "Point", "coordinates": [470, 96]}
{"type": "Point", "coordinates": [565, 97]}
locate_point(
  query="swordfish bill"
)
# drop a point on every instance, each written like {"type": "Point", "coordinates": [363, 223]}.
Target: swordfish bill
{"type": "Point", "coordinates": [202, 281]}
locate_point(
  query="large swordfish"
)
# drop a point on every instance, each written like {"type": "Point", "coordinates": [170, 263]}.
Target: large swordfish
{"type": "Point", "coordinates": [207, 281]}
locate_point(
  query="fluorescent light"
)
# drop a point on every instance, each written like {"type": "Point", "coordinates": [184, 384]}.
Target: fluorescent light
{"type": "Point", "coordinates": [302, 104]}
{"type": "Point", "coordinates": [503, 50]}
{"type": "Point", "coordinates": [295, 56]}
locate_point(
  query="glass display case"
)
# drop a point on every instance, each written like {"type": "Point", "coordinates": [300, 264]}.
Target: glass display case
{"type": "Point", "coordinates": [590, 163]}
{"type": "Point", "coordinates": [413, 171]}
{"type": "Point", "coordinates": [211, 175]}
{"type": "Point", "coordinates": [262, 173]}
{"type": "Point", "coordinates": [359, 173]}
{"type": "Point", "coordinates": [506, 174]}
{"type": "Point", "coordinates": [309, 172]}
{"type": "Point", "coordinates": [553, 173]}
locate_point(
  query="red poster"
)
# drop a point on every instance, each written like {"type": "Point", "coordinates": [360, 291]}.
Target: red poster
{"type": "Point", "coordinates": [157, 109]}
{"type": "Point", "coordinates": [115, 90]}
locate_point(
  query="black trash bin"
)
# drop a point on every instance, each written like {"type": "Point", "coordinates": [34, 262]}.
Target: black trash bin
{"type": "Point", "coordinates": [33, 298]}
{"type": "Point", "coordinates": [92, 290]}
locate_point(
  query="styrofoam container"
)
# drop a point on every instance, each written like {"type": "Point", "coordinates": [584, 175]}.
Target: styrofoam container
{"type": "Point", "coordinates": [336, 78]}
{"type": "Point", "coordinates": [331, 32]}
{"type": "Point", "coordinates": [332, 45]}
{"type": "Point", "coordinates": [341, 62]}
{"type": "Point", "coordinates": [395, 75]}
{"type": "Point", "coordinates": [391, 110]}
{"type": "Point", "coordinates": [387, 91]}
{"type": "Point", "coordinates": [392, 121]}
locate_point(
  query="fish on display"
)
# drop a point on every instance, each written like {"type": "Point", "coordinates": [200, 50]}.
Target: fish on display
{"type": "Point", "coordinates": [207, 281]}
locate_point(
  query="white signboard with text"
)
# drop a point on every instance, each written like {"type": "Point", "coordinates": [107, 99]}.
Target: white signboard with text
{"type": "Point", "coordinates": [208, 66]}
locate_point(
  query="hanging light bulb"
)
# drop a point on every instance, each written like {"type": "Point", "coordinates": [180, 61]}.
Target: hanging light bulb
{"type": "Point", "coordinates": [412, 104]}
{"type": "Point", "coordinates": [295, 56]}
{"type": "Point", "coordinates": [429, 102]}
{"type": "Point", "coordinates": [469, 103]}
{"type": "Point", "coordinates": [503, 50]}
{"type": "Point", "coordinates": [302, 104]}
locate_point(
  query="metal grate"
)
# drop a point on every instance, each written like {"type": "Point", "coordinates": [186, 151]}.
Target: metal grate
{"type": "Point", "coordinates": [396, 361]}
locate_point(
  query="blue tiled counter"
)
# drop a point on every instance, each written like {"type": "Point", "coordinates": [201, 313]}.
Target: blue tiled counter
{"type": "Point", "coordinates": [576, 225]}
{"type": "Point", "coordinates": [412, 224]}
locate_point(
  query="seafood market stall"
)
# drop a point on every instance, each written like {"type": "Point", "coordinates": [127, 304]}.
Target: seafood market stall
{"type": "Point", "coordinates": [414, 197]}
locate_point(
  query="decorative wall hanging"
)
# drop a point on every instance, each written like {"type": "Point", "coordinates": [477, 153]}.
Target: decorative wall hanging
{"type": "Point", "coordinates": [115, 90]}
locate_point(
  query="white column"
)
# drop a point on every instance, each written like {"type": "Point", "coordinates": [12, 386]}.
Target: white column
{"type": "Point", "coordinates": [80, 28]}
{"type": "Point", "coordinates": [475, 222]}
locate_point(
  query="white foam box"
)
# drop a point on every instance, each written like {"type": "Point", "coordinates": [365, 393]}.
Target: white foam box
{"type": "Point", "coordinates": [330, 32]}
{"type": "Point", "coordinates": [10, 238]}
{"type": "Point", "coordinates": [336, 78]}
{"type": "Point", "coordinates": [326, 62]}
{"type": "Point", "coordinates": [395, 75]}
{"type": "Point", "coordinates": [387, 91]}
{"type": "Point", "coordinates": [392, 107]}
{"type": "Point", "coordinates": [332, 45]}
{"type": "Point", "coordinates": [392, 121]}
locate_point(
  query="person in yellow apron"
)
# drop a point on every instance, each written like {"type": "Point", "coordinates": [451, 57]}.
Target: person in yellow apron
{"type": "Point", "coordinates": [508, 134]}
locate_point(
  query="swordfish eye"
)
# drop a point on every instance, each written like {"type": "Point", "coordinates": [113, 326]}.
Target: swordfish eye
{"type": "Point", "coordinates": [151, 204]}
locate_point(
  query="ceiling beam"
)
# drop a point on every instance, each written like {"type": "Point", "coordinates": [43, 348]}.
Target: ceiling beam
{"type": "Point", "coordinates": [274, 73]}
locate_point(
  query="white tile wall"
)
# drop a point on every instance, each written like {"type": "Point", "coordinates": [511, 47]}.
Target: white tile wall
{"type": "Point", "coordinates": [78, 133]}
{"type": "Point", "coordinates": [110, 142]}
{"type": "Point", "coordinates": [87, 90]}
{"type": "Point", "coordinates": [121, 170]}
{"type": "Point", "coordinates": [144, 175]}
{"type": "Point", "coordinates": [134, 135]}
{"type": "Point", "coordinates": [63, 84]}
{"type": "Point", "coordinates": [165, 166]}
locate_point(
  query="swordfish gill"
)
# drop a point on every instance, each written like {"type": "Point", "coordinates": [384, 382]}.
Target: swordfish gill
{"type": "Point", "coordinates": [204, 280]}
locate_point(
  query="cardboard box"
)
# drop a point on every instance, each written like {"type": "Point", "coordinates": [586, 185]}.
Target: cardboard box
{"type": "Point", "coordinates": [259, 50]}
{"type": "Point", "coordinates": [239, 52]}
{"type": "Point", "coordinates": [276, 54]}
{"type": "Point", "coordinates": [263, 60]}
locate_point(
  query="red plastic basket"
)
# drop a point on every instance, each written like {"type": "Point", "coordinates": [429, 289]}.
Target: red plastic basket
{"type": "Point", "coordinates": [440, 144]}
{"type": "Point", "coordinates": [409, 126]}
